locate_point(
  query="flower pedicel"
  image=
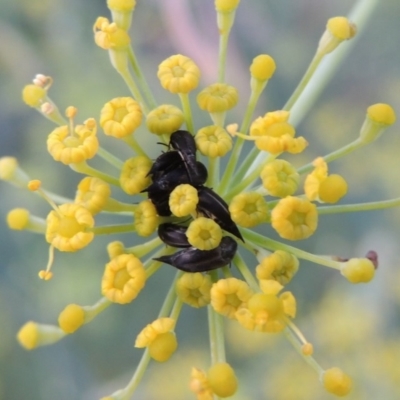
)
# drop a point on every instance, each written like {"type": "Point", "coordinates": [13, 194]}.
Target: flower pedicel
{"type": "Point", "coordinates": [209, 208]}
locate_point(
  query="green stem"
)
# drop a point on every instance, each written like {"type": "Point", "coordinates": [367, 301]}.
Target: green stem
{"type": "Point", "coordinates": [176, 309]}
{"type": "Point", "coordinates": [245, 272]}
{"type": "Point", "coordinates": [85, 169]}
{"type": "Point", "coordinates": [223, 48]}
{"type": "Point", "coordinates": [213, 172]}
{"type": "Point", "coordinates": [343, 151]}
{"type": "Point", "coordinates": [115, 206]}
{"type": "Point", "coordinates": [184, 97]}
{"type": "Point", "coordinates": [373, 205]}
{"type": "Point", "coordinates": [304, 81]}
{"type": "Point", "coordinates": [134, 145]}
{"type": "Point", "coordinates": [309, 359]}
{"type": "Point", "coordinates": [112, 229]}
{"type": "Point", "coordinates": [36, 225]}
{"type": "Point", "coordinates": [93, 311]}
{"type": "Point", "coordinates": [142, 81]}
{"type": "Point", "coordinates": [265, 242]}
{"type": "Point", "coordinates": [142, 249]}
{"type": "Point", "coordinates": [170, 298]}
{"type": "Point", "coordinates": [110, 158]}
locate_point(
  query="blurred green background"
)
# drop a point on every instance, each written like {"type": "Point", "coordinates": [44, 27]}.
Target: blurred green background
{"type": "Point", "coordinates": [355, 327]}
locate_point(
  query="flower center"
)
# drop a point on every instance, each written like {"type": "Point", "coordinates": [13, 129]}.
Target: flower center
{"type": "Point", "coordinates": [178, 71]}
{"type": "Point", "coordinates": [120, 113]}
{"type": "Point", "coordinates": [69, 227]}
{"type": "Point", "coordinates": [205, 235]}
{"type": "Point", "coordinates": [297, 218]}
{"type": "Point", "coordinates": [233, 300]}
{"type": "Point", "coordinates": [121, 278]}
{"type": "Point", "coordinates": [250, 208]}
{"type": "Point", "coordinates": [72, 141]}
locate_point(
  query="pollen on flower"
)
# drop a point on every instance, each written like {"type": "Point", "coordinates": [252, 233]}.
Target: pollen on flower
{"type": "Point", "coordinates": [123, 279]}
{"type": "Point", "coordinates": [73, 147]}
{"type": "Point", "coordinates": [294, 218]}
{"type": "Point", "coordinates": [280, 178]}
{"type": "Point", "coordinates": [34, 185]}
{"type": "Point", "coordinates": [341, 28]}
{"type": "Point", "coordinates": [280, 265]}
{"type": "Point", "coordinates": [274, 134]}
{"type": "Point", "coordinates": [134, 175]}
{"type": "Point", "coordinates": [222, 379]}
{"type": "Point", "coordinates": [335, 381]}
{"type": "Point", "coordinates": [121, 5]}
{"type": "Point", "coordinates": [178, 74]}
{"type": "Point", "coordinates": [358, 270]}
{"type": "Point", "coordinates": [307, 349]}
{"type": "Point", "coordinates": [183, 200]}
{"type": "Point", "coordinates": [249, 209]}
{"type": "Point", "coordinates": [218, 97]}
{"type": "Point", "coordinates": [262, 67]}
{"type": "Point", "coordinates": [18, 219]}
{"type": "Point", "coordinates": [164, 119]}
{"type": "Point", "coordinates": [67, 228]}
{"type": "Point", "coordinates": [71, 318]}
{"type": "Point", "coordinates": [194, 289]}
{"type": "Point", "coordinates": [159, 338]}
{"type": "Point", "coordinates": [146, 218]}
{"type": "Point", "coordinates": [229, 295]}
{"type": "Point", "coordinates": [204, 233]}
{"type": "Point", "coordinates": [213, 141]}
{"type": "Point", "coordinates": [120, 117]}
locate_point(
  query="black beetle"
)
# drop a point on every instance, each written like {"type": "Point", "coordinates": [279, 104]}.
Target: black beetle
{"type": "Point", "coordinates": [215, 207]}
{"type": "Point", "coordinates": [195, 260]}
{"type": "Point", "coordinates": [183, 142]}
{"type": "Point", "coordinates": [160, 200]}
{"type": "Point", "coordinates": [173, 235]}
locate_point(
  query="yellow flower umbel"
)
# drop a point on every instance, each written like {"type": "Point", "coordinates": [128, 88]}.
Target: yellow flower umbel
{"type": "Point", "coordinates": [185, 204]}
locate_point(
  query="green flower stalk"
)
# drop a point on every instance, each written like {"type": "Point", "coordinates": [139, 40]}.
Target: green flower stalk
{"type": "Point", "coordinates": [260, 190]}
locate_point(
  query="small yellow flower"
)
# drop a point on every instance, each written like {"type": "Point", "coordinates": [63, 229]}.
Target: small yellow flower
{"type": "Point", "coordinates": [199, 385]}
{"type": "Point", "coordinates": [164, 119]}
{"type": "Point", "coordinates": [120, 117]}
{"type": "Point", "coordinates": [183, 200]}
{"type": "Point", "coordinates": [280, 265]}
{"type": "Point", "coordinates": [222, 379]}
{"type": "Point", "coordinates": [121, 5]}
{"type": "Point", "coordinates": [280, 178]}
{"type": "Point", "coordinates": [294, 218]}
{"type": "Point", "coordinates": [73, 147]}
{"type": "Point", "coordinates": [248, 209]}
{"type": "Point", "coordinates": [34, 95]}
{"type": "Point", "coordinates": [71, 318]}
{"type": "Point", "coordinates": [213, 141]}
{"type": "Point", "coordinates": [67, 228]}
{"type": "Point", "coordinates": [159, 338]}
{"type": "Point", "coordinates": [109, 36]}
{"type": "Point", "coordinates": [146, 218]}
{"type": "Point", "coordinates": [265, 312]}
{"type": "Point", "coordinates": [204, 233]}
{"type": "Point", "coordinates": [133, 178]}
{"type": "Point", "coordinates": [358, 270]}
{"type": "Point", "coordinates": [337, 30]}
{"type": "Point", "coordinates": [230, 295]}
{"type": "Point", "coordinates": [218, 97]}
{"type": "Point", "coordinates": [8, 168]}
{"type": "Point", "coordinates": [379, 117]}
{"type": "Point", "coordinates": [323, 187]}
{"type": "Point", "coordinates": [335, 381]}
{"type": "Point", "coordinates": [115, 249]}
{"type": "Point", "coordinates": [124, 277]}
{"type": "Point", "coordinates": [32, 335]}
{"type": "Point", "coordinates": [194, 289]}
{"type": "Point", "coordinates": [274, 134]}
{"type": "Point", "coordinates": [262, 67]}
{"type": "Point", "coordinates": [226, 6]}
{"type": "Point", "coordinates": [178, 74]}
{"type": "Point", "coordinates": [92, 194]}
{"type": "Point", "coordinates": [18, 219]}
